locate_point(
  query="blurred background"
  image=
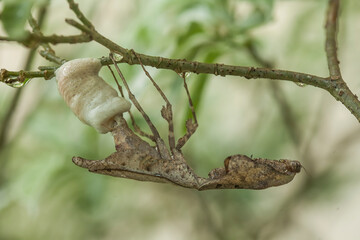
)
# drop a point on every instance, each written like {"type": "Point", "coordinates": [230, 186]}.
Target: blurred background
{"type": "Point", "coordinates": [43, 195]}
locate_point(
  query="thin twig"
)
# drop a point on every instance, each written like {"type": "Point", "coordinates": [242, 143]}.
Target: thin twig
{"type": "Point", "coordinates": [190, 126]}
{"type": "Point", "coordinates": [56, 39]}
{"type": "Point", "coordinates": [191, 105]}
{"type": "Point", "coordinates": [166, 112]}
{"type": "Point", "coordinates": [330, 44]}
{"type": "Point", "coordinates": [340, 91]}
{"type": "Point", "coordinates": [75, 7]}
{"type": "Point", "coordinates": [135, 102]}
{"type": "Point", "coordinates": [6, 76]}
{"type": "Point", "coordinates": [50, 55]}
{"type": "Point", "coordinates": [136, 127]}
{"type": "Point", "coordinates": [36, 31]}
{"type": "Point", "coordinates": [33, 39]}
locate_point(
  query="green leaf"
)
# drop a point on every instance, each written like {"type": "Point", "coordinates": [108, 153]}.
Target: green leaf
{"type": "Point", "coordinates": [193, 28]}
{"type": "Point", "coordinates": [261, 14]}
{"type": "Point", "coordinates": [14, 16]}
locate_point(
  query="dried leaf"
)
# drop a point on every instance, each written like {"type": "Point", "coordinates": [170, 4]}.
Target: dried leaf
{"type": "Point", "coordinates": [136, 159]}
{"type": "Point", "coordinates": [240, 171]}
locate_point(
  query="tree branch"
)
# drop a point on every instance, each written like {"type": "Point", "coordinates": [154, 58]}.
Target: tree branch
{"type": "Point", "coordinates": [339, 89]}
{"type": "Point", "coordinates": [34, 39]}
{"type": "Point", "coordinates": [8, 77]}
{"type": "Point", "coordinates": [336, 87]}
{"type": "Point", "coordinates": [75, 7]}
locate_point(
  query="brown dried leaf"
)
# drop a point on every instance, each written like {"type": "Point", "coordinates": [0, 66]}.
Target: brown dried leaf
{"type": "Point", "coordinates": [136, 159]}
{"type": "Point", "coordinates": [240, 171]}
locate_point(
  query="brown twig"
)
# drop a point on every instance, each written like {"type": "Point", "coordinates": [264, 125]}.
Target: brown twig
{"type": "Point", "coordinates": [36, 31]}
{"type": "Point", "coordinates": [181, 65]}
{"type": "Point", "coordinates": [33, 39]}
{"type": "Point", "coordinates": [190, 126]}
{"type": "Point", "coordinates": [135, 102]}
{"type": "Point", "coordinates": [136, 127]}
{"type": "Point", "coordinates": [337, 86]}
{"type": "Point", "coordinates": [330, 44]}
{"type": "Point", "coordinates": [56, 39]}
{"type": "Point", "coordinates": [166, 112]}
{"type": "Point", "coordinates": [75, 7]}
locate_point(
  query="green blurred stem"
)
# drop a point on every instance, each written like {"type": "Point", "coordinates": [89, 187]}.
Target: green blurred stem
{"type": "Point", "coordinates": [50, 56]}
{"type": "Point", "coordinates": [46, 72]}
{"type": "Point", "coordinates": [37, 31]}
{"type": "Point", "coordinates": [35, 38]}
{"type": "Point", "coordinates": [279, 95]}
{"type": "Point", "coordinates": [4, 74]}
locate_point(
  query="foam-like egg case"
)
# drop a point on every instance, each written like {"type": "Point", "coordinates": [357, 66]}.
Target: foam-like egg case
{"type": "Point", "coordinates": [91, 99]}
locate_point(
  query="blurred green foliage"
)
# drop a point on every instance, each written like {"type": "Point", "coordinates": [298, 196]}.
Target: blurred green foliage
{"type": "Point", "coordinates": [44, 196]}
{"type": "Point", "coordinates": [14, 17]}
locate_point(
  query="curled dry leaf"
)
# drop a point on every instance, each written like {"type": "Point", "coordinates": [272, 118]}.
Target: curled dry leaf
{"type": "Point", "coordinates": [136, 159]}
{"type": "Point", "coordinates": [243, 172]}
